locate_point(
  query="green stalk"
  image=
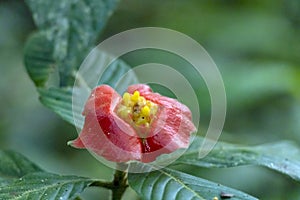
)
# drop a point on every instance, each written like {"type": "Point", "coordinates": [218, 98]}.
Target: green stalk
{"type": "Point", "coordinates": [119, 183]}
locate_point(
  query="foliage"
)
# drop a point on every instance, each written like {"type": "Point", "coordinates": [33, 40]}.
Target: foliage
{"type": "Point", "coordinates": [231, 155]}
{"type": "Point", "coordinates": [67, 30]}
{"type": "Point", "coordinates": [44, 185]}
{"type": "Point", "coordinates": [171, 184]}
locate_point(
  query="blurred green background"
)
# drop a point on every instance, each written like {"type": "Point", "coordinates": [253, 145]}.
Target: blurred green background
{"type": "Point", "coordinates": [255, 44]}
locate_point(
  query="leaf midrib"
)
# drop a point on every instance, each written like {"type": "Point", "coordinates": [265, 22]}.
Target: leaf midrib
{"type": "Point", "coordinates": [182, 183]}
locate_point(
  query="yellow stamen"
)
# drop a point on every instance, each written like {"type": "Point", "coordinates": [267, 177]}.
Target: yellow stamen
{"type": "Point", "coordinates": [126, 98]}
{"type": "Point", "coordinates": [145, 111]}
{"type": "Point", "coordinates": [136, 109]}
{"type": "Point", "coordinates": [135, 97]}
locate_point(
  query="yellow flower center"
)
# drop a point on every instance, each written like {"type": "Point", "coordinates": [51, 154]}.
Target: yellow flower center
{"type": "Point", "coordinates": [136, 109]}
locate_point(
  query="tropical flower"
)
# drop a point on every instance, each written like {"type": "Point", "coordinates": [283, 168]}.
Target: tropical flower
{"type": "Point", "coordinates": [140, 126]}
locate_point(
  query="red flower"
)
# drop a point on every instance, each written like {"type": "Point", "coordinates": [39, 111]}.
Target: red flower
{"type": "Point", "coordinates": [140, 126]}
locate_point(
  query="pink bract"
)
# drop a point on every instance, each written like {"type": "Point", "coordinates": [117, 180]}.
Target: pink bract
{"type": "Point", "coordinates": [108, 135]}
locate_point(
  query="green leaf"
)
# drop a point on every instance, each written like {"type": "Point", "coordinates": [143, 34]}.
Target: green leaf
{"type": "Point", "coordinates": [282, 157]}
{"type": "Point", "coordinates": [68, 29]}
{"type": "Point", "coordinates": [113, 76]}
{"type": "Point", "coordinates": [15, 165]}
{"type": "Point", "coordinates": [60, 99]}
{"type": "Point", "coordinates": [89, 15]}
{"type": "Point", "coordinates": [38, 58]}
{"type": "Point", "coordinates": [167, 183]}
{"type": "Point", "coordinates": [4, 181]}
{"type": "Point", "coordinates": [44, 186]}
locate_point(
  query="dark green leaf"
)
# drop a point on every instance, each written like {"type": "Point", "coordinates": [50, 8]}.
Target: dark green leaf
{"type": "Point", "coordinates": [282, 157]}
{"type": "Point", "coordinates": [164, 184]}
{"type": "Point", "coordinates": [44, 186]}
{"type": "Point", "coordinates": [38, 58]}
{"type": "Point", "coordinates": [15, 165]}
{"type": "Point", "coordinates": [69, 28]}
{"type": "Point", "coordinates": [89, 15]}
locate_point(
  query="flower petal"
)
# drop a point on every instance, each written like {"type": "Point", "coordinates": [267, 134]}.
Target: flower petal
{"type": "Point", "coordinates": [171, 128]}
{"type": "Point", "coordinates": [168, 133]}
{"type": "Point", "coordinates": [107, 135]}
{"type": "Point", "coordinates": [104, 132]}
{"type": "Point", "coordinates": [142, 88]}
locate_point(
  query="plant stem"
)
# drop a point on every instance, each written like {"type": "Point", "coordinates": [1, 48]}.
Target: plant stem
{"type": "Point", "coordinates": [118, 185]}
